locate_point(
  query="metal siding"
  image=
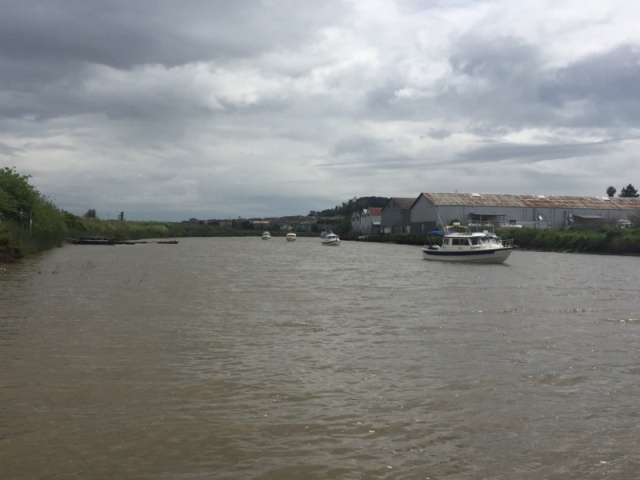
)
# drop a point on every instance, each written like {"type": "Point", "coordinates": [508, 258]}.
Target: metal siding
{"type": "Point", "coordinates": [524, 208]}
{"type": "Point", "coordinates": [419, 211]}
{"type": "Point", "coordinates": [394, 216]}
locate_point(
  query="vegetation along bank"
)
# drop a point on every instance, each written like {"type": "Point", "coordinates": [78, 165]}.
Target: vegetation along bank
{"type": "Point", "coordinates": [30, 223]}
{"type": "Point", "coordinates": [603, 240]}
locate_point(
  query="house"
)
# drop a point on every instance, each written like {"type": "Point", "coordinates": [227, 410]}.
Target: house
{"type": "Point", "coordinates": [396, 215]}
{"type": "Point", "coordinates": [431, 210]}
{"type": "Point", "coordinates": [366, 221]}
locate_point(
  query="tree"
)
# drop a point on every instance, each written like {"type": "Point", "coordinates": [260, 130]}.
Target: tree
{"type": "Point", "coordinates": [611, 191]}
{"type": "Point", "coordinates": [17, 197]}
{"type": "Point", "coordinates": [23, 208]}
{"type": "Point", "coordinates": [353, 205]}
{"type": "Point", "coordinates": [629, 192]}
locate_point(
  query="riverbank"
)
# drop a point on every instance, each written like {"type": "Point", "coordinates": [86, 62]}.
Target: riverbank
{"type": "Point", "coordinates": [7, 257]}
{"type": "Point", "coordinates": [20, 241]}
{"type": "Point", "coordinates": [609, 241]}
{"type": "Point", "coordinates": [17, 241]}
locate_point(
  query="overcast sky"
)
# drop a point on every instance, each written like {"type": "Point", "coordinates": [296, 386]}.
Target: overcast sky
{"type": "Point", "coordinates": [172, 109]}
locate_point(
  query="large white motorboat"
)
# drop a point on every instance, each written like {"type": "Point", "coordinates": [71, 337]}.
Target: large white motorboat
{"type": "Point", "coordinates": [330, 239]}
{"type": "Point", "coordinates": [291, 237]}
{"type": "Point", "coordinates": [266, 235]}
{"type": "Point", "coordinates": [460, 244]}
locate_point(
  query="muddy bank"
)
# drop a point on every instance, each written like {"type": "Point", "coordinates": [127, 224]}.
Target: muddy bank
{"type": "Point", "coordinates": [9, 255]}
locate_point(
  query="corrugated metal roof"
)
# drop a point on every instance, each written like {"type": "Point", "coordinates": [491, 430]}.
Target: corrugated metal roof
{"type": "Point", "coordinates": [535, 201]}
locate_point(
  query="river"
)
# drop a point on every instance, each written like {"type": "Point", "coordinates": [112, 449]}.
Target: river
{"type": "Point", "coordinates": [238, 358]}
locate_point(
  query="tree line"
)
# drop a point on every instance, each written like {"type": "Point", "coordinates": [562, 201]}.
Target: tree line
{"type": "Point", "coordinates": [627, 192]}
{"type": "Point", "coordinates": [353, 205]}
{"type": "Point", "coordinates": [28, 218]}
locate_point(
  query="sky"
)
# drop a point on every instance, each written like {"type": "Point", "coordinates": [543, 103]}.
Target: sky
{"type": "Point", "coordinates": [214, 109]}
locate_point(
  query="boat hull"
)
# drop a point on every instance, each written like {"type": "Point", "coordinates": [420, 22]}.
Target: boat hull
{"type": "Point", "coordinates": [493, 255]}
{"type": "Point", "coordinates": [331, 243]}
{"type": "Point", "coordinates": [330, 239]}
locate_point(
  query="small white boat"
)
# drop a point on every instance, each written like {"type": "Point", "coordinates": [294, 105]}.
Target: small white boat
{"type": "Point", "coordinates": [291, 237]}
{"type": "Point", "coordinates": [266, 235]}
{"type": "Point", "coordinates": [330, 239]}
{"type": "Point", "coordinates": [459, 244]}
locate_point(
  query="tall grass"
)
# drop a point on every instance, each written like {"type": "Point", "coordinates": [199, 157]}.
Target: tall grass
{"type": "Point", "coordinates": [601, 240]}
{"type": "Point", "coordinates": [132, 230]}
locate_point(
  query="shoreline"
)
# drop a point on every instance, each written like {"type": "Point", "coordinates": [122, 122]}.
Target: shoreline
{"type": "Point", "coordinates": [6, 256]}
{"type": "Point", "coordinates": [14, 246]}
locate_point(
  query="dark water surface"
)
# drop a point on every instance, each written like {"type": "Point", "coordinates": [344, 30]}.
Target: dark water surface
{"type": "Point", "coordinates": [247, 359]}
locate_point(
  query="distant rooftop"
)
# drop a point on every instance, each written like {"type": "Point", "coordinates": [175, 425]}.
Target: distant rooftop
{"type": "Point", "coordinates": [537, 201]}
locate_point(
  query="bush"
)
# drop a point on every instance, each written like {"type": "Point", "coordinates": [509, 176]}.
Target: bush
{"type": "Point", "coordinates": [602, 240]}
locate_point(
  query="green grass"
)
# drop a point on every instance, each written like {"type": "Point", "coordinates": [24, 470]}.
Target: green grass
{"type": "Point", "coordinates": [609, 240]}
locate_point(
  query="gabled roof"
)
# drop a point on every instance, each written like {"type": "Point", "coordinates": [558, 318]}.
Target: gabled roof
{"type": "Point", "coordinates": [403, 202]}
{"type": "Point", "coordinates": [375, 211]}
{"type": "Point", "coordinates": [535, 201]}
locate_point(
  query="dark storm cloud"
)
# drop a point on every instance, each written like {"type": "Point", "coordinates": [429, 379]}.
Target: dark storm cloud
{"type": "Point", "coordinates": [7, 150]}
{"type": "Point", "coordinates": [501, 84]}
{"type": "Point", "coordinates": [605, 85]}
{"type": "Point", "coordinates": [502, 59]}
{"type": "Point", "coordinates": [523, 153]}
{"type": "Point", "coordinates": [437, 133]}
{"type": "Point", "coordinates": [496, 82]}
{"type": "Point", "coordinates": [190, 107]}
{"type": "Point", "coordinates": [50, 48]}
{"type": "Point", "coordinates": [122, 34]}
{"type": "Point", "coordinates": [491, 84]}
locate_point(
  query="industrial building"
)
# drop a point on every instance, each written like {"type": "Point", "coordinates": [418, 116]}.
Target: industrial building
{"type": "Point", "coordinates": [396, 215]}
{"type": "Point", "coordinates": [431, 210]}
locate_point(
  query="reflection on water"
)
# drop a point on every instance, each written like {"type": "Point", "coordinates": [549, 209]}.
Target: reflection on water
{"type": "Point", "coordinates": [238, 358]}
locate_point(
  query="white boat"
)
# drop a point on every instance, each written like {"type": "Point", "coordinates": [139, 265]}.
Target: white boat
{"type": "Point", "coordinates": [291, 237]}
{"type": "Point", "coordinates": [266, 235]}
{"type": "Point", "coordinates": [330, 239]}
{"type": "Point", "coordinates": [460, 244]}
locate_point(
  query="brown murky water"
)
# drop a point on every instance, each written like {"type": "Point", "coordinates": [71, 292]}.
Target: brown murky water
{"type": "Point", "coordinates": [249, 359]}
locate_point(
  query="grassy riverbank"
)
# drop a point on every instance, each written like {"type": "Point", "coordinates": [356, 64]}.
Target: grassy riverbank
{"type": "Point", "coordinates": [46, 227]}
{"type": "Point", "coordinates": [613, 241]}
{"type": "Point", "coordinates": [18, 238]}
{"type": "Point", "coordinates": [30, 223]}
{"type": "Point", "coordinates": [128, 230]}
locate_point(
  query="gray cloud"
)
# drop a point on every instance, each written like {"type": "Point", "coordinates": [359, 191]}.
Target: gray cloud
{"type": "Point", "coordinates": [213, 108]}
{"type": "Point", "coordinates": [605, 85]}
{"type": "Point", "coordinates": [498, 152]}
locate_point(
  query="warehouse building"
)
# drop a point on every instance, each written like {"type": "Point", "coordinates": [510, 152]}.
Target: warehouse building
{"type": "Point", "coordinates": [431, 210]}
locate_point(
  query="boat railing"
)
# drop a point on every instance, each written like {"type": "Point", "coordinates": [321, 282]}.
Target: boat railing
{"type": "Point", "coordinates": [507, 243]}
